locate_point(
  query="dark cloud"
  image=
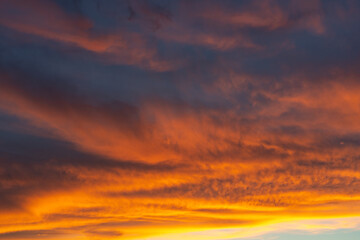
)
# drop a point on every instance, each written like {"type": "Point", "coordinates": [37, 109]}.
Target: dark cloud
{"type": "Point", "coordinates": [31, 234]}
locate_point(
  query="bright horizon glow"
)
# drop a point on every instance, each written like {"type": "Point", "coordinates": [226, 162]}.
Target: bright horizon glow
{"type": "Point", "coordinates": [302, 229]}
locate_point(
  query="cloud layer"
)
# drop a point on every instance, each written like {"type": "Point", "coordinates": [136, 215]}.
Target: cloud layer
{"type": "Point", "coordinates": [133, 119]}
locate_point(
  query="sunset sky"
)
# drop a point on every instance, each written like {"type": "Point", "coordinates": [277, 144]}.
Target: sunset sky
{"type": "Point", "coordinates": [173, 120]}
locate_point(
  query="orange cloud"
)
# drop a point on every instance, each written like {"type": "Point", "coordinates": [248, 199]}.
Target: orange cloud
{"type": "Point", "coordinates": [47, 20]}
{"type": "Point", "coordinates": [302, 172]}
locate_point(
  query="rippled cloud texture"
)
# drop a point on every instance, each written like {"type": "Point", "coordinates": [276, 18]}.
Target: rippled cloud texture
{"type": "Point", "coordinates": [135, 119]}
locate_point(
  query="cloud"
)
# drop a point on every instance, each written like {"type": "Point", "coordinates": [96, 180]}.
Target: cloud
{"type": "Point", "coordinates": [47, 20]}
{"type": "Point", "coordinates": [235, 25]}
{"type": "Point", "coordinates": [139, 119]}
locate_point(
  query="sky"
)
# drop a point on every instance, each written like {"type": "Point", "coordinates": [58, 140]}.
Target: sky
{"type": "Point", "coordinates": [197, 120]}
